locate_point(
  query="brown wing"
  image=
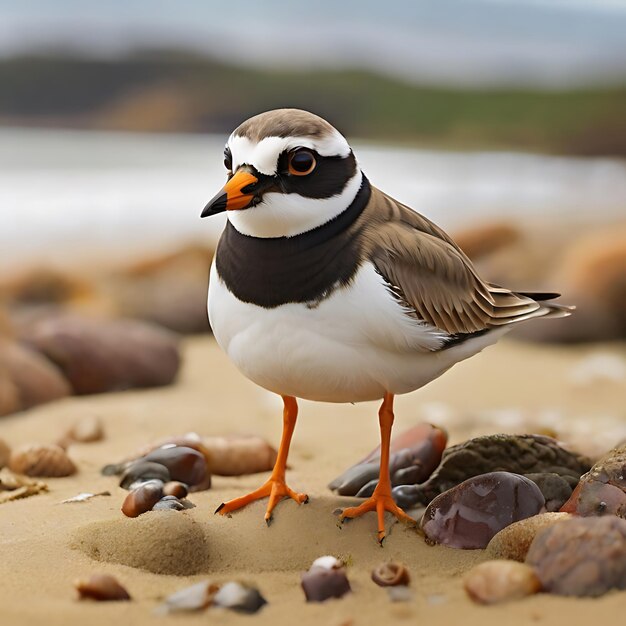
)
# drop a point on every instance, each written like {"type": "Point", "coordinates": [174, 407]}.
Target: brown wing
{"type": "Point", "coordinates": [431, 275]}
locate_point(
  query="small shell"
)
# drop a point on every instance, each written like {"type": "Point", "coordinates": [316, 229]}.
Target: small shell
{"type": "Point", "coordinates": [41, 460]}
{"type": "Point", "coordinates": [141, 499]}
{"type": "Point", "coordinates": [101, 587]}
{"type": "Point", "coordinates": [391, 574]}
{"type": "Point", "coordinates": [499, 581]}
{"type": "Point", "coordinates": [86, 430]}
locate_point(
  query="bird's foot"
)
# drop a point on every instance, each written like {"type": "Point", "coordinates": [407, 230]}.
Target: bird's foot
{"type": "Point", "coordinates": [275, 488]}
{"type": "Point", "coordinates": [380, 501]}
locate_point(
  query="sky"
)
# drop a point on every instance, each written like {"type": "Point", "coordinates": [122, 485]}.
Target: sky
{"type": "Point", "coordinates": [546, 43]}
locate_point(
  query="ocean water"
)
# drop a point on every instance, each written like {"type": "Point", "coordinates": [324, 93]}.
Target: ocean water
{"type": "Point", "coordinates": [69, 193]}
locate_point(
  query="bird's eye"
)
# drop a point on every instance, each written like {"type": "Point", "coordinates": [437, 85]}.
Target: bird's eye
{"type": "Point", "coordinates": [301, 162]}
{"type": "Point", "coordinates": [228, 159]}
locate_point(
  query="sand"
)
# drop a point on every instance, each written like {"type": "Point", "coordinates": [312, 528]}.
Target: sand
{"type": "Point", "coordinates": [46, 545]}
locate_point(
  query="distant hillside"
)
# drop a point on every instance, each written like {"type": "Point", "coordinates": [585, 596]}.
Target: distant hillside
{"type": "Point", "coordinates": [173, 91]}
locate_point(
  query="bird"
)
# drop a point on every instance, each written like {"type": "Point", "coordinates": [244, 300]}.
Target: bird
{"type": "Point", "coordinates": [325, 288]}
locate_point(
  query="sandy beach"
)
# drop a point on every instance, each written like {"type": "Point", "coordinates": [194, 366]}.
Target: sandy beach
{"type": "Point", "coordinates": [46, 545]}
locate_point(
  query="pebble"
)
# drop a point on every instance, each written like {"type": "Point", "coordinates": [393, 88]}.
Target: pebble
{"type": "Point", "coordinates": [87, 430]}
{"type": "Point", "coordinates": [184, 464]}
{"type": "Point", "coordinates": [239, 454]}
{"type": "Point", "coordinates": [514, 541]}
{"type": "Point", "coordinates": [415, 453]}
{"type": "Point", "coordinates": [143, 471]}
{"type": "Point", "coordinates": [195, 598]}
{"type": "Point", "coordinates": [100, 355]}
{"type": "Point", "coordinates": [141, 499]}
{"type": "Point", "coordinates": [518, 454]}
{"type": "Point", "coordinates": [47, 460]}
{"type": "Point", "coordinates": [101, 587]}
{"type": "Point", "coordinates": [175, 488]}
{"type": "Point", "coordinates": [583, 556]}
{"type": "Point", "coordinates": [499, 581]}
{"type": "Point", "coordinates": [325, 579]}
{"type": "Point", "coordinates": [602, 490]}
{"type": "Point", "coordinates": [470, 514]}
{"type": "Point", "coordinates": [169, 503]}
{"type": "Point", "coordinates": [28, 378]}
{"type": "Point", "coordinates": [239, 597]}
{"type": "Point", "coordinates": [391, 574]}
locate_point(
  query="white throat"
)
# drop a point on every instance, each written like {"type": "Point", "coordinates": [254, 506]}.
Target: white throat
{"type": "Point", "coordinates": [286, 215]}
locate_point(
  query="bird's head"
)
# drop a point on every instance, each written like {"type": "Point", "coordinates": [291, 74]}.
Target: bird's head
{"type": "Point", "coordinates": [289, 171]}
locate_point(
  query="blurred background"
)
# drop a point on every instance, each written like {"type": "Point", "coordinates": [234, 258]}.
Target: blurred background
{"type": "Point", "coordinates": [501, 120]}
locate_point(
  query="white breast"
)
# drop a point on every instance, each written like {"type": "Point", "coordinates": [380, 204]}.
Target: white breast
{"type": "Point", "coordinates": [353, 346]}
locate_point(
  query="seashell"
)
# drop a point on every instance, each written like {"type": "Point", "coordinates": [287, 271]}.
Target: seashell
{"type": "Point", "coordinates": [141, 499]}
{"type": "Point", "coordinates": [41, 460]}
{"type": "Point", "coordinates": [101, 587]}
{"type": "Point", "coordinates": [5, 453]}
{"type": "Point", "coordinates": [325, 579]}
{"type": "Point", "coordinates": [15, 487]}
{"type": "Point", "coordinates": [470, 514]}
{"type": "Point", "coordinates": [416, 452]}
{"type": "Point", "coordinates": [169, 503]}
{"type": "Point", "coordinates": [83, 497]}
{"type": "Point", "coordinates": [143, 471]}
{"type": "Point", "coordinates": [86, 430]}
{"type": "Point", "coordinates": [518, 454]}
{"type": "Point", "coordinates": [175, 488]}
{"type": "Point", "coordinates": [499, 581]}
{"type": "Point", "coordinates": [513, 542]}
{"type": "Point", "coordinates": [239, 597]}
{"type": "Point", "coordinates": [582, 556]}
{"type": "Point", "coordinates": [602, 490]}
{"type": "Point", "coordinates": [195, 598]}
{"type": "Point", "coordinates": [391, 574]}
{"type": "Point", "coordinates": [184, 464]}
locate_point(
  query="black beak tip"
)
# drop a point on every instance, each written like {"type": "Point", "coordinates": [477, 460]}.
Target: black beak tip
{"type": "Point", "coordinates": [215, 206]}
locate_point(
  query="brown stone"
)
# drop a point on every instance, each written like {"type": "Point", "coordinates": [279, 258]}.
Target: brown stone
{"type": "Point", "coordinates": [142, 499]}
{"type": "Point", "coordinates": [500, 581]}
{"type": "Point", "coordinates": [101, 587]}
{"type": "Point", "coordinates": [98, 355]}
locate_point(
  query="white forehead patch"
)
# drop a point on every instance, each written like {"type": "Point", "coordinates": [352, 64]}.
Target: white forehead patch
{"type": "Point", "coordinates": [264, 155]}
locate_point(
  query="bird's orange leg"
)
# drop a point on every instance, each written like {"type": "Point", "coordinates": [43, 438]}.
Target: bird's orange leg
{"type": "Point", "coordinates": [381, 499]}
{"type": "Point", "coordinates": [275, 488]}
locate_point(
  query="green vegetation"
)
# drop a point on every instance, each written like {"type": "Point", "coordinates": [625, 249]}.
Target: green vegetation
{"type": "Point", "coordinates": [174, 91]}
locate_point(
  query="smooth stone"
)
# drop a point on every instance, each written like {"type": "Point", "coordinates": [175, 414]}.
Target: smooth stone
{"type": "Point", "coordinates": [163, 543]}
{"type": "Point", "coordinates": [101, 587]}
{"type": "Point", "coordinates": [141, 500]}
{"type": "Point", "coordinates": [238, 597]}
{"type": "Point", "coordinates": [470, 514]}
{"type": "Point", "coordinates": [184, 464]}
{"type": "Point", "coordinates": [164, 504]}
{"type": "Point", "coordinates": [493, 582]}
{"type": "Point", "coordinates": [142, 471]}
{"type": "Point", "coordinates": [582, 556]}
{"type": "Point", "coordinates": [514, 541]}
{"type": "Point", "coordinates": [175, 488]}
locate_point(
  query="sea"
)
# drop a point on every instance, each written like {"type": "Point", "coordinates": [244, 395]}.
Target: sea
{"type": "Point", "coordinates": [67, 194]}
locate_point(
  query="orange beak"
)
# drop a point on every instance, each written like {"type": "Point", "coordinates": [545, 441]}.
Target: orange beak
{"type": "Point", "coordinates": [231, 197]}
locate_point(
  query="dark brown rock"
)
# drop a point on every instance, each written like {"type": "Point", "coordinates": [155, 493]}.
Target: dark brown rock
{"type": "Point", "coordinates": [99, 355]}
{"type": "Point", "coordinates": [415, 453]}
{"type": "Point", "coordinates": [143, 471]}
{"type": "Point", "coordinates": [470, 514]}
{"type": "Point", "coordinates": [176, 489]}
{"type": "Point", "coordinates": [519, 454]}
{"type": "Point", "coordinates": [101, 587]}
{"type": "Point", "coordinates": [184, 464]}
{"type": "Point", "coordinates": [141, 499]}
{"type": "Point", "coordinates": [602, 490]}
{"type": "Point", "coordinates": [32, 379]}
{"type": "Point", "coordinates": [581, 556]}
{"type": "Point", "coordinates": [325, 579]}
